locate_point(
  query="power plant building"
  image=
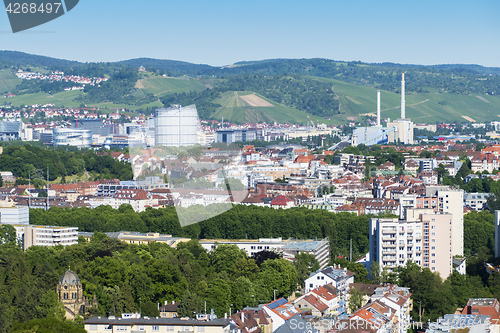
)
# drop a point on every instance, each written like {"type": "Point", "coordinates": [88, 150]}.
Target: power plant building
{"type": "Point", "coordinates": [176, 126]}
{"type": "Point", "coordinates": [400, 130]}
{"type": "Point", "coordinates": [404, 133]}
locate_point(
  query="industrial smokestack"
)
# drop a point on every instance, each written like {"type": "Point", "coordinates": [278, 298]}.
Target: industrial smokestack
{"type": "Point", "coordinates": [403, 115]}
{"type": "Point", "coordinates": [378, 108]}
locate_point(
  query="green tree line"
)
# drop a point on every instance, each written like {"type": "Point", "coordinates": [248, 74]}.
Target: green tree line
{"type": "Point", "coordinates": [26, 160]}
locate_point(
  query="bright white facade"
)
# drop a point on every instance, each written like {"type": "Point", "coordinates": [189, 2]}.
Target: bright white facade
{"type": "Point", "coordinates": [14, 215]}
{"type": "Point", "coordinates": [339, 277]}
{"type": "Point", "coordinates": [43, 235]}
{"type": "Point", "coordinates": [176, 126]}
{"type": "Point", "coordinates": [71, 137]}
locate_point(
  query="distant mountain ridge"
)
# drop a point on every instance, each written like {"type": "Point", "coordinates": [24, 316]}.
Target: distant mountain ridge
{"type": "Point", "coordinates": [295, 65]}
{"type": "Point", "coordinates": [328, 90]}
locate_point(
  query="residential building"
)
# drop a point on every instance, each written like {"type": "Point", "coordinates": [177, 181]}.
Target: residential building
{"type": "Point", "coordinates": [281, 311]}
{"type": "Point", "coordinates": [44, 235]}
{"type": "Point", "coordinates": [313, 304]}
{"type": "Point", "coordinates": [398, 299]}
{"type": "Point", "coordinates": [252, 320]}
{"type": "Point", "coordinates": [132, 237]}
{"type": "Point", "coordinates": [338, 277]}
{"type": "Point", "coordinates": [319, 249]}
{"type": "Point", "coordinates": [422, 237]}
{"type": "Point", "coordinates": [497, 233]}
{"type": "Point", "coordinates": [458, 322]}
{"type": "Point", "coordinates": [169, 310]}
{"type": "Point", "coordinates": [14, 215]}
{"type": "Point", "coordinates": [155, 325]}
{"type": "Point", "coordinates": [476, 200]}
{"type": "Point", "coordinates": [485, 307]}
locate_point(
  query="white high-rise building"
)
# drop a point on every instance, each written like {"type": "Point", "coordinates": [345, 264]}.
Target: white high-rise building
{"type": "Point", "coordinates": [424, 237]}
{"type": "Point", "coordinates": [497, 233]}
{"type": "Point", "coordinates": [452, 202]}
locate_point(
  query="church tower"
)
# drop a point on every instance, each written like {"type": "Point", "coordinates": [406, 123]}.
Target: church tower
{"type": "Point", "coordinates": [70, 294]}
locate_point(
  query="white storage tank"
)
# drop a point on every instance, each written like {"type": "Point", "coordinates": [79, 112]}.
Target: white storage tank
{"type": "Point", "coordinates": [176, 126]}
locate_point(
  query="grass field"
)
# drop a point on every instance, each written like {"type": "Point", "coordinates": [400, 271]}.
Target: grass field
{"type": "Point", "coordinates": [430, 107]}
{"type": "Point", "coordinates": [235, 109]}
{"type": "Point", "coordinates": [8, 81]}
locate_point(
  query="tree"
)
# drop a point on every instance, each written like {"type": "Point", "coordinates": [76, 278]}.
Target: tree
{"type": "Point", "coordinates": [264, 255]}
{"type": "Point", "coordinates": [375, 273]}
{"type": "Point", "coordinates": [150, 309]}
{"type": "Point", "coordinates": [304, 264]}
{"type": "Point", "coordinates": [48, 325]}
{"type": "Point", "coordinates": [190, 305]}
{"type": "Point", "coordinates": [355, 299]}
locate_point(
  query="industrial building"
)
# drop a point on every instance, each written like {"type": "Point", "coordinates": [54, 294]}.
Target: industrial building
{"type": "Point", "coordinates": [11, 130]}
{"type": "Point", "coordinates": [238, 135]}
{"type": "Point", "coordinates": [404, 132]}
{"type": "Point", "coordinates": [71, 137]}
{"type": "Point", "coordinates": [399, 130]}
{"type": "Point", "coordinates": [176, 126]}
{"type": "Point", "coordinates": [96, 126]}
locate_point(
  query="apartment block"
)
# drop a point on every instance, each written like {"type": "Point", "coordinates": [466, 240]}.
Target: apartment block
{"type": "Point", "coordinates": [289, 248]}
{"type": "Point", "coordinates": [147, 324]}
{"type": "Point", "coordinates": [423, 237]}
{"type": "Point", "coordinates": [43, 235]}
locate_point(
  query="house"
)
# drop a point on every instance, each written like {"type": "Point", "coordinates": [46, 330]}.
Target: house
{"type": "Point", "coordinates": [313, 304]}
{"type": "Point", "coordinates": [280, 311]}
{"type": "Point", "coordinates": [169, 310]}
{"type": "Point", "coordinates": [366, 289]}
{"type": "Point", "coordinates": [338, 277]}
{"type": "Point", "coordinates": [328, 295]}
{"type": "Point", "coordinates": [252, 320]}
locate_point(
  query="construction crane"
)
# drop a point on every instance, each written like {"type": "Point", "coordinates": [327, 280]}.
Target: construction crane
{"type": "Point", "coordinates": [311, 121]}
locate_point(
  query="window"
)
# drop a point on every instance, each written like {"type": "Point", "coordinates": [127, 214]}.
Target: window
{"type": "Point", "coordinates": [310, 285]}
{"type": "Point", "coordinates": [92, 327]}
{"type": "Point", "coordinates": [156, 328]}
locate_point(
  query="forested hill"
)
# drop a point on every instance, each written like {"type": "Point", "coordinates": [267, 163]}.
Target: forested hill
{"type": "Point", "coordinates": [454, 78]}
{"type": "Point", "coordinates": [289, 90]}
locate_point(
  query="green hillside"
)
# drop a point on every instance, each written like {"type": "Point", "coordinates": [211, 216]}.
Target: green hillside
{"type": "Point", "coordinates": [431, 107]}
{"type": "Point", "coordinates": [160, 85]}
{"type": "Point", "coordinates": [236, 109]}
{"type": "Point", "coordinates": [8, 81]}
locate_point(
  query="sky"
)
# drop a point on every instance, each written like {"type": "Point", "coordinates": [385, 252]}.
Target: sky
{"type": "Point", "coordinates": [222, 32]}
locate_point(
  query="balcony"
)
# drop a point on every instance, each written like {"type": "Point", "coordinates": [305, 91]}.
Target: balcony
{"type": "Point", "coordinates": [388, 238]}
{"type": "Point", "coordinates": [389, 258]}
{"type": "Point", "coordinates": [388, 251]}
{"type": "Point", "coordinates": [389, 231]}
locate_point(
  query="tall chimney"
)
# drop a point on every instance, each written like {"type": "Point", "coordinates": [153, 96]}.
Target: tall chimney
{"type": "Point", "coordinates": [378, 108]}
{"type": "Point", "coordinates": [403, 115]}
